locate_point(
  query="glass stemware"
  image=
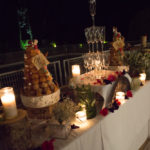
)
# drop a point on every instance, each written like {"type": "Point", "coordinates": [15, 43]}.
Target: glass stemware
{"type": "Point", "coordinates": [92, 36]}
{"type": "Point", "coordinates": [87, 35]}
{"type": "Point", "coordinates": [97, 37]}
{"type": "Point", "coordinates": [107, 60]}
{"type": "Point", "coordinates": [85, 59]}
{"type": "Point", "coordinates": [94, 59]}
{"type": "Point", "coordinates": [102, 36]}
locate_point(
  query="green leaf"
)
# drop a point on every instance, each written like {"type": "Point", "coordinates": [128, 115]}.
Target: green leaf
{"type": "Point", "coordinates": [93, 103]}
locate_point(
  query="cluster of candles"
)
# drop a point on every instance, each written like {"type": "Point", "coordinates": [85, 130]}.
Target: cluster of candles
{"type": "Point", "coordinates": [9, 103]}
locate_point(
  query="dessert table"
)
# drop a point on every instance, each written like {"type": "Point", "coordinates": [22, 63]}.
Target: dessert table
{"type": "Point", "coordinates": [125, 129]}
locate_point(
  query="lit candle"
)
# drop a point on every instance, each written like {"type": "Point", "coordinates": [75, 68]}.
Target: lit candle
{"type": "Point", "coordinates": [75, 70]}
{"type": "Point", "coordinates": [8, 102]}
{"type": "Point", "coordinates": [81, 115]}
{"type": "Point", "coordinates": [121, 97]}
{"type": "Point", "coordinates": [143, 78]}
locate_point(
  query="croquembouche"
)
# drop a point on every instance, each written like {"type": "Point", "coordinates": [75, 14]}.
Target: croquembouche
{"type": "Point", "coordinates": [38, 80]}
{"type": "Point", "coordinates": [117, 52]}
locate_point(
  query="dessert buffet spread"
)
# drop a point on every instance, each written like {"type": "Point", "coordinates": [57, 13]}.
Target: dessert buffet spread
{"type": "Point", "coordinates": [39, 89]}
{"type": "Point", "coordinates": [104, 87]}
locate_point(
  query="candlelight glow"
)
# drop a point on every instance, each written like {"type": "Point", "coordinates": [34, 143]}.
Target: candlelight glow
{"type": "Point", "coordinates": [81, 115]}
{"type": "Point", "coordinates": [143, 78]}
{"type": "Point", "coordinates": [120, 95]}
{"type": "Point", "coordinates": [75, 70]}
{"type": "Point", "coordinates": [7, 98]}
{"type": "Point", "coordinates": [8, 102]}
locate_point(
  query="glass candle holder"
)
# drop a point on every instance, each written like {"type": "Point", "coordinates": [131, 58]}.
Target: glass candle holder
{"type": "Point", "coordinates": [81, 115]}
{"type": "Point", "coordinates": [142, 78]}
{"type": "Point", "coordinates": [121, 97]}
{"type": "Point", "coordinates": [75, 70]}
{"type": "Point", "coordinates": [8, 102]}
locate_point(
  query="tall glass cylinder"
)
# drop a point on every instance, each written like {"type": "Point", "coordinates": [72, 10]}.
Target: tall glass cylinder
{"type": "Point", "coordinates": [8, 102]}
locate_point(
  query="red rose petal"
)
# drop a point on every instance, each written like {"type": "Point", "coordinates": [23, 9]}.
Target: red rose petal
{"type": "Point", "coordinates": [104, 112]}
{"type": "Point", "coordinates": [129, 93]}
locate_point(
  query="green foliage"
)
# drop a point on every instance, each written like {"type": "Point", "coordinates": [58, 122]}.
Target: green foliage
{"type": "Point", "coordinates": [64, 110]}
{"type": "Point", "coordinates": [138, 61]}
{"type": "Point", "coordinates": [85, 95]}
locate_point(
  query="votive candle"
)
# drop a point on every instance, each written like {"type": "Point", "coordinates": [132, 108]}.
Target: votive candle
{"type": "Point", "coordinates": [75, 70]}
{"type": "Point", "coordinates": [121, 97]}
{"type": "Point", "coordinates": [81, 115]}
{"type": "Point", "coordinates": [8, 102]}
{"type": "Point", "coordinates": [142, 78]}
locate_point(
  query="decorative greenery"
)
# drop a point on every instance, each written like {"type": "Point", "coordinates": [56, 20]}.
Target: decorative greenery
{"type": "Point", "coordinates": [64, 110]}
{"type": "Point", "coordinates": [138, 61]}
{"type": "Point", "coordinates": [87, 97]}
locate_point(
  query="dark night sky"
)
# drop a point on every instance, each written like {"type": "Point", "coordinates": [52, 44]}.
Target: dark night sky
{"type": "Point", "coordinates": [65, 20]}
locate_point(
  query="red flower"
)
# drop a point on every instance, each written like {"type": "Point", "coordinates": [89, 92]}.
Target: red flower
{"type": "Point", "coordinates": [98, 81]}
{"type": "Point", "coordinates": [48, 145]}
{"type": "Point", "coordinates": [111, 78]}
{"type": "Point", "coordinates": [118, 102]}
{"type": "Point", "coordinates": [104, 112]}
{"type": "Point", "coordinates": [129, 93]}
{"type": "Point", "coordinates": [117, 72]}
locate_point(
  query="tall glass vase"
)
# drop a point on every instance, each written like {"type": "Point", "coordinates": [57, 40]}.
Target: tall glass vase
{"type": "Point", "coordinates": [91, 112]}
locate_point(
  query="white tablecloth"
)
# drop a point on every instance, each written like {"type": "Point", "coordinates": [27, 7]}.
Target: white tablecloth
{"type": "Point", "coordinates": [88, 137]}
{"type": "Point", "coordinates": [125, 129]}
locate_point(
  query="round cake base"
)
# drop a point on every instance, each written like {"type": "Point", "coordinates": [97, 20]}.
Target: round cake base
{"type": "Point", "coordinates": [41, 101]}
{"type": "Point", "coordinates": [40, 107]}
